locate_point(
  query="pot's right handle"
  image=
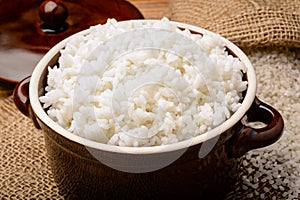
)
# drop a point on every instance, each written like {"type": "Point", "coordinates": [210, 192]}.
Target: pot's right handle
{"type": "Point", "coordinates": [248, 138]}
{"type": "Point", "coordinates": [22, 101]}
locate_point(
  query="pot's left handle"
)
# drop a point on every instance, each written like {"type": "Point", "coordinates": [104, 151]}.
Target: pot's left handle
{"type": "Point", "coordinates": [22, 101]}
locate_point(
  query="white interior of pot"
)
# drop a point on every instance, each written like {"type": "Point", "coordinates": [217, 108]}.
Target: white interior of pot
{"type": "Point", "coordinates": [42, 115]}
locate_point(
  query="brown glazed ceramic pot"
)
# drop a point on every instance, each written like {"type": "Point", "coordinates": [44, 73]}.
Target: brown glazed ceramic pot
{"type": "Point", "coordinates": [201, 167]}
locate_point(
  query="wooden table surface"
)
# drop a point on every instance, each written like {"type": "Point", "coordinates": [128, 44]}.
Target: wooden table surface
{"type": "Point", "coordinates": [152, 9]}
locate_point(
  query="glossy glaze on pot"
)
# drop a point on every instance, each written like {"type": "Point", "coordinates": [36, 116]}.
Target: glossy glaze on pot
{"type": "Point", "coordinates": [84, 169]}
{"type": "Point", "coordinates": [79, 175]}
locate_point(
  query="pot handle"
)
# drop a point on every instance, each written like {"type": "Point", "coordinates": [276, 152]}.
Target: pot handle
{"type": "Point", "coordinates": [22, 101]}
{"type": "Point", "coordinates": [248, 138]}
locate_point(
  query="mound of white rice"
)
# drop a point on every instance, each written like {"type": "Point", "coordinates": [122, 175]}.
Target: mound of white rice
{"type": "Point", "coordinates": [143, 84]}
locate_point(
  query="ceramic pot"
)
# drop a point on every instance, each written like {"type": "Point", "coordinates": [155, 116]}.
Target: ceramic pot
{"type": "Point", "coordinates": [204, 166]}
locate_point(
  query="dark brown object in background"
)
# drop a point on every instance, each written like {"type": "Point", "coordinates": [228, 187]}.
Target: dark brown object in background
{"type": "Point", "coordinates": [21, 28]}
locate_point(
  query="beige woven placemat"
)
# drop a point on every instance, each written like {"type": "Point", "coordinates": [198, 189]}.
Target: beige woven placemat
{"type": "Point", "coordinates": [269, 173]}
{"type": "Point", "coordinates": [247, 23]}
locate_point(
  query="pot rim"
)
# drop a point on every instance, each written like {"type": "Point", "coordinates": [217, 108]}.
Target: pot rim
{"type": "Point", "coordinates": [236, 117]}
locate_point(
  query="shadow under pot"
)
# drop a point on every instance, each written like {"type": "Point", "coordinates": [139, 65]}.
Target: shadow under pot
{"type": "Point", "coordinates": [202, 167]}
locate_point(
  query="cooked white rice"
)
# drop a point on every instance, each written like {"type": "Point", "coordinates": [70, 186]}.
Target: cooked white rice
{"type": "Point", "coordinates": [166, 86]}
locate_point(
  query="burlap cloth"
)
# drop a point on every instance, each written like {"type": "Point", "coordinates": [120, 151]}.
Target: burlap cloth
{"type": "Point", "coordinates": [25, 173]}
{"type": "Point", "coordinates": [247, 23]}
{"type": "Point", "coordinates": [24, 169]}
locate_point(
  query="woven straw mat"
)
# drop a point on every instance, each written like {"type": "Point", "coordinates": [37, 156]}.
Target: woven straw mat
{"type": "Point", "coordinates": [247, 23]}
